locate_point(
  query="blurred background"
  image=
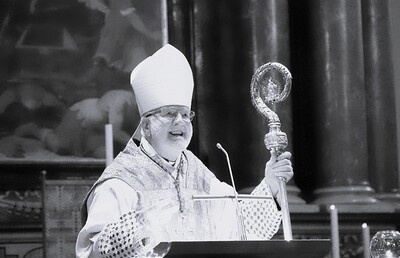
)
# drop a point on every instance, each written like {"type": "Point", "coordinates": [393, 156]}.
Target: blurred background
{"type": "Point", "coordinates": [64, 74]}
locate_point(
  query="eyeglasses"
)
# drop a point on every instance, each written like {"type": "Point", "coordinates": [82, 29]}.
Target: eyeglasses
{"type": "Point", "coordinates": [171, 112]}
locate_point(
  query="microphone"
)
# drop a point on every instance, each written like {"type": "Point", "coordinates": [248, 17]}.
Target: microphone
{"type": "Point", "coordinates": [242, 230]}
{"type": "Point", "coordinates": [219, 146]}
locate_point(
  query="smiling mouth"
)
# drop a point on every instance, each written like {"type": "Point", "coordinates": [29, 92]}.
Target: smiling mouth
{"type": "Point", "coordinates": [176, 133]}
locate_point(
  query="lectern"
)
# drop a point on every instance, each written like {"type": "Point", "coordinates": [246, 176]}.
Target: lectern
{"type": "Point", "coordinates": [251, 249]}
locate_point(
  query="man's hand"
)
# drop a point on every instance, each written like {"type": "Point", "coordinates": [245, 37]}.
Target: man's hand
{"type": "Point", "coordinates": [278, 166]}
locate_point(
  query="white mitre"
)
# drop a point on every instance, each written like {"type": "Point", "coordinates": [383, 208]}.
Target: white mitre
{"type": "Point", "coordinates": [163, 79]}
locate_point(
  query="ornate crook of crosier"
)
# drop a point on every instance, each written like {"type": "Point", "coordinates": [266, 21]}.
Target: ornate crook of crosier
{"type": "Point", "coordinates": [264, 89]}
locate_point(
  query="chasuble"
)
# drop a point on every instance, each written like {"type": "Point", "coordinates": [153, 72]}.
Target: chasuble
{"type": "Point", "coordinates": [140, 187]}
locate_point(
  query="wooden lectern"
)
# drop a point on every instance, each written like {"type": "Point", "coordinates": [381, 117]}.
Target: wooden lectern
{"type": "Point", "coordinates": [251, 249]}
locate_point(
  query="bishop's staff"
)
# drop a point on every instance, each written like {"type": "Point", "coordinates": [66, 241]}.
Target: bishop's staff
{"type": "Point", "coordinates": [265, 88]}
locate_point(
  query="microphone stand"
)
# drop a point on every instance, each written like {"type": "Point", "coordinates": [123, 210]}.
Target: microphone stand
{"type": "Point", "coordinates": [239, 214]}
{"type": "Point", "coordinates": [236, 197]}
{"type": "Point", "coordinates": [275, 139]}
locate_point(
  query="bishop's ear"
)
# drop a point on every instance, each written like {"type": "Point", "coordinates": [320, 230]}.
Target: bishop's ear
{"type": "Point", "coordinates": [145, 123]}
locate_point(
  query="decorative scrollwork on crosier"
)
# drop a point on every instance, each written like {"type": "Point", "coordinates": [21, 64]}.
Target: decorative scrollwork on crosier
{"type": "Point", "coordinates": [271, 90]}
{"type": "Point", "coordinates": [264, 89]}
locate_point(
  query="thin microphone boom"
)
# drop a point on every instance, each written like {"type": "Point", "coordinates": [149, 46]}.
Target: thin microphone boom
{"type": "Point", "coordinates": [239, 214]}
{"type": "Point", "coordinates": [219, 146]}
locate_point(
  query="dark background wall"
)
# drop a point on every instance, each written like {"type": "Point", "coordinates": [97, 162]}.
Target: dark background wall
{"type": "Point", "coordinates": [341, 114]}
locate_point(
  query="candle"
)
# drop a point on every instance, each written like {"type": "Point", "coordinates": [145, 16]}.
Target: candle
{"type": "Point", "coordinates": [334, 232]}
{"type": "Point", "coordinates": [109, 144]}
{"type": "Point", "coordinates": [366, 240]}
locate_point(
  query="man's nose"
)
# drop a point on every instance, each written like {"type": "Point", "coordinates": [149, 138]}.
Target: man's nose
{"type": "Point", "coordinates": [178, 118]}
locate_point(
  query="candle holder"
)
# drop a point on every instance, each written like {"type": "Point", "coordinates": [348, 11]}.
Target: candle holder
{"type": "Point", "coordinates": [270, 84]}
{"type": "Point", "coordinates": [385, 244]}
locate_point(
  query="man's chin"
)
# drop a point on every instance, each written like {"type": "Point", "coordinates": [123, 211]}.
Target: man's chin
{"type": "Point", "coordinates": [176, 147]}
{"type": "Point", "coordinates": [178, 142]}
{"type": "Point", "coordinates": [170, 155]}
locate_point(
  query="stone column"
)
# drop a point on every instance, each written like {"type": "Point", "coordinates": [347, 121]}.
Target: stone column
{"type": "Point", "coordinates": [271, 43]}
{"type": "Point", "coordinates": [340, 135]}
{"type": "Point", "coordinates": [223, 69]}
{"type": "Point", "coordinates": [180, 31]}
{"type": "Point", "coordinates": [381, 109]}
{"type": "Point", "coordinates": [180, 21]}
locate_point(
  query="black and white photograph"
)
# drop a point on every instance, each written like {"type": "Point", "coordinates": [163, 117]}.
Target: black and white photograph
{"type": "Point", "coordinates": [199, 128]}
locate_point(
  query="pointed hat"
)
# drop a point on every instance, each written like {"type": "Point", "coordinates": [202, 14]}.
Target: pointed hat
{"type": "Point", "coordinates": [163, 79]}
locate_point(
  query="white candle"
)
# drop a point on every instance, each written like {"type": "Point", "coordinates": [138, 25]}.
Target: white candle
{"type": "Point", "coordinates": [366, 240]}
{"type": "Point", "coordinates": [334, 232]}
{"type": "Point", "coordinates": [109, 144]}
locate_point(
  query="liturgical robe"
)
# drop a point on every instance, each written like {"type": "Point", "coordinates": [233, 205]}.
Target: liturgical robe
{"type": "Point", "coordinates": [114, 211]}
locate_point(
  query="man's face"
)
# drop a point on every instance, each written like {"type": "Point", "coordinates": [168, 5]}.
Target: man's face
{"type": "Point", "coordinates": [169, 130]}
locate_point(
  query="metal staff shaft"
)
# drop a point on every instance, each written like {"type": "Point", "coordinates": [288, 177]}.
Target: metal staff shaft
{"type": "Point", "coordinates": [286, 224]}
